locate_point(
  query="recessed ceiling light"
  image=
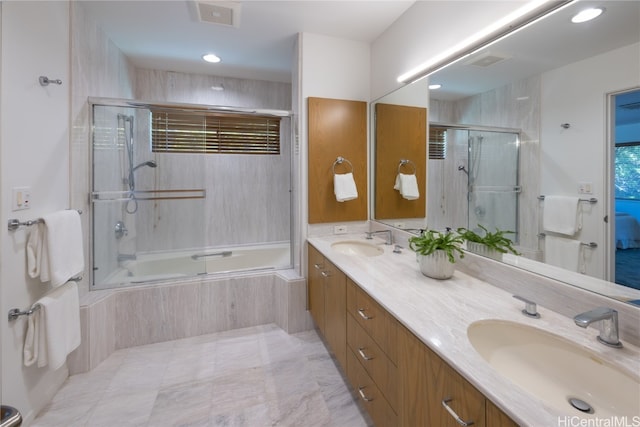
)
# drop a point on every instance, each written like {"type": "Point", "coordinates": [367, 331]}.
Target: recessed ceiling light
{"type": "Point", "coordinates": [210, 57]}
{"type": "Point", "coordinates": [587, 15]}
{"type": "Point", "coordinates": [435, 86]}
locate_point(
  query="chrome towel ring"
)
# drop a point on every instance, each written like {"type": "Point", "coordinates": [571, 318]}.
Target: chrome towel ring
{"type": "Point", "coordinates": [339, 161]}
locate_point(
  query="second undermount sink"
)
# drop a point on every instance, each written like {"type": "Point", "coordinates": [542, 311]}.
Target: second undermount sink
{"type": "Point", "coordinates": [356, 247]}
{"type": "Point", "coordinates": [563, 374]}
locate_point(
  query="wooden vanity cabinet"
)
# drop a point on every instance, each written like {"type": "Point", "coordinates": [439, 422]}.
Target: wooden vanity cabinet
{"type": "Point", "coordinates": [327, 302]}
{"type": "Point", "coordinates": [426, 381]}
{"type": "Point", "coordinates": [398, 379]}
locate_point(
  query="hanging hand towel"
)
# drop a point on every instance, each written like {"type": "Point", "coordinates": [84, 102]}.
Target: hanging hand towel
{"type": "Point", "coordinates": [37, 259]}
{"type": "Point", "coordinates": [63, 245]}
{"type": "Point", "coordinates": [407, 185]}
{"type": "Point", "coordinates": [563, 253]}
{"type": "Point", "coordinates": [561, 214]}
{"type": "Point", "coordinates": [53, 331]}
{"type": "Point", "coordinates": [344, 187]}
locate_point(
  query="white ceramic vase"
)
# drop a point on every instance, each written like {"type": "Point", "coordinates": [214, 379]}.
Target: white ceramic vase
{"type": "Point", "coordinates": [484, 250]}
{"type": "Point", "coordinates": [436, 265]}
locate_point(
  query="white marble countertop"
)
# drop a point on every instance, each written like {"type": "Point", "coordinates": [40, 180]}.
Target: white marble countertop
{"type": "Point", "coordinates": [440, 311]}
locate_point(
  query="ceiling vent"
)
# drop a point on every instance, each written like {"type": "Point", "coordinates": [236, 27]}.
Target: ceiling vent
{"type": "Point", "coordinates": [486, 60]}
{"type": "Point", "coordinates": [221, 13]}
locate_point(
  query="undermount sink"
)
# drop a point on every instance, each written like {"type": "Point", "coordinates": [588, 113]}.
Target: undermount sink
{"type": "Point", "coordinates": [556, 370]}
{"type": "Point", "coordinates": [356, 247]}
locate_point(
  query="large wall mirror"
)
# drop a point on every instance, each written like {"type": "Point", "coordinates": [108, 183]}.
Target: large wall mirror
{"type": "Point", "coordinates": [548, 114]}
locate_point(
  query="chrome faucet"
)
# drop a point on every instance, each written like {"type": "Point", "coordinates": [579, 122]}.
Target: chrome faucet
{"type": "Point", "coordinates": [608, 325]}
{"type": "Point", "coordinates": [389, 240]}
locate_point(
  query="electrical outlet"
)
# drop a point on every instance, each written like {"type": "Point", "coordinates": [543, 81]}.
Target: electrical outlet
{"type": "Point", "coordinates": [399, 225]}
{"type": "Point", "coordinates": [20, 198]}
{"type": "Point", "coordinates": [340, 229]}
{"type": "Point", "coordinates": [585, 188]}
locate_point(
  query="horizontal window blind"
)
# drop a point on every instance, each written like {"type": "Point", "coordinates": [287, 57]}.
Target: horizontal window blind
{"type": "Point", "coordinates": [213, 132]}
{"type": "Point", "coordinates": [437, 143]}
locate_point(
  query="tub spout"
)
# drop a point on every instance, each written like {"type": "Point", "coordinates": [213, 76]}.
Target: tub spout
{"type": "Point", "coordinates": [126, 257]}
{"type": "Point", "coordinates": [222, 254]}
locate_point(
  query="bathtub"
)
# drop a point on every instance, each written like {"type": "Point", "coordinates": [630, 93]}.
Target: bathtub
{"type": "Point", "coordinates": [158, 266]}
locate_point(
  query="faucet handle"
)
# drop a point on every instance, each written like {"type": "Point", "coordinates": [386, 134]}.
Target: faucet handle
{"type": "Point", "coordinates": [530, 308]}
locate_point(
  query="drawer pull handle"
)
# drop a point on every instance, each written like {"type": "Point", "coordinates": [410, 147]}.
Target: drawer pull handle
{"type": "Point", "coordinates": [363, 315]}
{"type": "Point", "coordinates": [364, 396]}
{"type": "Point", "coordinates": [325, 274]}
{"type": "Point", "coordinates": [364, 356]}
{"type": "Point", "coordinates": [318, 266]}
{"type": "Point", "coordinates": [453, 413]}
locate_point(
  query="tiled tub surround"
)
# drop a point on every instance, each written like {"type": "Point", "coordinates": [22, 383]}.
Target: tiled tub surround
{"type": "Point", "coordinates": [439, 312]}
{"type": "Point", "coordinates": [123, 318]}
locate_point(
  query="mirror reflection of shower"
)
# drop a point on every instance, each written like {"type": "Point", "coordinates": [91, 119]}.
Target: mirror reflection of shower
{"type": "Point", "coordinates": [125, 122]}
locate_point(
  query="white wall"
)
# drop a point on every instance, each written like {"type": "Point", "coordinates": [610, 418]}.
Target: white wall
{"type": "Point", "coordinates": [329, 68]}
{"type": "Point", "coordinates": [34, 125]}
{"type": "Point", "coordinates": [576, 94]}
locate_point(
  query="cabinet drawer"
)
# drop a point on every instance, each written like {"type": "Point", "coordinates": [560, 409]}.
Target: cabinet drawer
{"type": "Point", "coordinates": [374, 319]}
{"type": "Point", "coordinates": [369, 395]}
{"type": "Point", "coordinates": [381, 370]}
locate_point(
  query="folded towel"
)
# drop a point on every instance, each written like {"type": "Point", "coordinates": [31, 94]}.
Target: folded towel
{"type": "Point", "coordinates": [53, 331]}
{"type": "Point", "coordinates": [344, 187]}
{"type": "Point", "coordinates": [37, 259]}
{"type": "Point", "coordinates": [407, 185]}
{"type": "Point", "coordinates": [561, 214]}
{"type": "Point", "coordinates": [62, 246]}
{"type": "Point", "coordinates": [563, 253]}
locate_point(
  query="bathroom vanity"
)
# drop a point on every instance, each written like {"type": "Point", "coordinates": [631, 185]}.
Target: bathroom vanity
{"type": "Point", "coordinates": [402, 340]}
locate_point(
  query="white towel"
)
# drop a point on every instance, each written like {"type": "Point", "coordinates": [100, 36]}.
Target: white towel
{"type": "Point", "coordinates": [54, 248]}
{"type": "Point", "coordinates": [53, 331]}
{"type": "Point", "coordinates": [561, 214]}
{"type": "Point", "coordinates": [344, 187]}
{"type": "Point", "coordinates": [407, 185]}
{"type": "Point", "coordinates": [563, 253]}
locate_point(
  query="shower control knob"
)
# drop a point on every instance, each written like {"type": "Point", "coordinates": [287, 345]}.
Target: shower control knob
{"type": "Point", "coordinates": [120, 230]}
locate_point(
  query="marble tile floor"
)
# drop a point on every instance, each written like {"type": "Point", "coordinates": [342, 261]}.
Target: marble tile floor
{"type": "Point", "coordinates": [253, 377]}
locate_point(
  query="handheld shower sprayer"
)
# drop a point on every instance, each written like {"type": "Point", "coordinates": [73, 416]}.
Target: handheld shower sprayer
{"type": "Point", "coordinates": [150, 163]}
{"type": "Point", "coordinates": [463, 169]}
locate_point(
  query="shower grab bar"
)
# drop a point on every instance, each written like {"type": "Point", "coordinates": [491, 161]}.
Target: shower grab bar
{"type": "Point", "coordinates": [592, 200]}
{"type": "Point", "coordinates": [222, 254]}
{"type": "Point", "coordinates": [14, 224]}
{"type": "Point", "coordinates": [497, 189]}
{"type": "Point", "coordinates": [114, 196]}
{"type": "Point", "coordinates": [591, 245]}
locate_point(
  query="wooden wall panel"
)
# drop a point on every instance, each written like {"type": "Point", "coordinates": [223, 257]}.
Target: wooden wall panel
{"type": "Point", "coordinates": [401, 133]}
{"type": "Point", "coordinates": [336, 128]}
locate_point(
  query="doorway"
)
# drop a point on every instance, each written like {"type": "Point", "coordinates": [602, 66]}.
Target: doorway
{"type": "Point", "coordinates": [625, 177]}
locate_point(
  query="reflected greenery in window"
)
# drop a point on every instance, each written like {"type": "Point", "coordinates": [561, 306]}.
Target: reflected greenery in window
{"type": "Point", "coordinates": [628, 171]}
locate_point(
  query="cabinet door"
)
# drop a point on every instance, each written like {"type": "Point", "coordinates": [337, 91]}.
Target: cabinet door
{"type": "Point", "coordinates": [451, 400]}
{"type": "Point", "coordinates": [497, 418]}
{"type": "Point", "coordinates": [335, 311]}
{"type": "Point", "coordinates": [315, 286]}
{"type": "Point", "coordinates": [413, 410]}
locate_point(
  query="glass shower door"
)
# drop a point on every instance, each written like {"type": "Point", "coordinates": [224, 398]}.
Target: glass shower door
{"type": "Point", "coordinates": [493, 181]}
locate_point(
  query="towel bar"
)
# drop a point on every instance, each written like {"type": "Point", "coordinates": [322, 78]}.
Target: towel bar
{"type": "Point", "coordinates": [14, 313]}
{"type": "Point", "coordinates": [339, 161]}
{"type": "Point", "coordinates": [14, 223]}
{"type": "Point", "coordinates": [591, 245]}
{"type": "Point", "coordinates": [591, 200]}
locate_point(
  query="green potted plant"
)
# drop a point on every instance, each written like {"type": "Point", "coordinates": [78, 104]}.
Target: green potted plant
{"type": "Point", "coordinates": [437, 252]}
{"type": "Point", "coordinates": [491, 244]}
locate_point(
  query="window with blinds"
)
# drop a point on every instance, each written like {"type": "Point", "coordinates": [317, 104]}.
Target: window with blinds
{"type": "Point", "coordinates": [213, 132]}
{"type": "Point", "coordinates": [437, 143]}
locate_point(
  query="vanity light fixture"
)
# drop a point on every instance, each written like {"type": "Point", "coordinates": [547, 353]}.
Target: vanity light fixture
{"type": "Point", "coordinates": [522, 17]}
{"type": "Point", "coordinates": [587, 15]}
{"type": "Point", "coordinates": [435, 86]}
{"type": "Point", "coordinates": [210, 57]}
{"type": "Point", "coordinates": [217, 88]}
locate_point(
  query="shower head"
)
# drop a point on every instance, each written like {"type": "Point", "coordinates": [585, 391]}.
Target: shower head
{"type": "Point", "coordinates": [150, 163]}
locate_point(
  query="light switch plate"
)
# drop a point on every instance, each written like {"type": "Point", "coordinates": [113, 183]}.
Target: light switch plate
{"type": "Point", "coordinates": [20, 198]}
